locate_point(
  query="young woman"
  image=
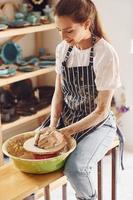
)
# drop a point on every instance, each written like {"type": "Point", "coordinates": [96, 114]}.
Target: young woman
{"type": "Point", "coordinates": [87, 69]}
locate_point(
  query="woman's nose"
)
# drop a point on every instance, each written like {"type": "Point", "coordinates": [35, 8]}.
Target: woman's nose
{"type": "Point", "coordinates": [63, 35]}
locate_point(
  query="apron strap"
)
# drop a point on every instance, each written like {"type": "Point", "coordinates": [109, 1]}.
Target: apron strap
{"type": "Point", "coordinates": [92, 49]}
{"type": "Point", "coordinates": [67, 56]}
{"type": "Point", "coordinates": [121, 146]}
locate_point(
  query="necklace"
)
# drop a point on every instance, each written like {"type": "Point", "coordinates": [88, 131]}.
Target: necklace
{"type": "Point", "coordinates": [37, 2]}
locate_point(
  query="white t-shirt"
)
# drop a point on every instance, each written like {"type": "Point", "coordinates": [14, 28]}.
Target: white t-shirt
{"type": "Point", "coordinates": [106, 63]}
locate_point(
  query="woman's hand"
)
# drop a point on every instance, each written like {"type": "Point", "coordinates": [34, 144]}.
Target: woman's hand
{"type": "Point", "coordinates": [43, 133]}
{"type": "Point", "coordinates": [47, 141]}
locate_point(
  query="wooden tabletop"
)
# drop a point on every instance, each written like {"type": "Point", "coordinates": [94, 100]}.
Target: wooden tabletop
{"type": "Point", "coordinates": [16, 185]}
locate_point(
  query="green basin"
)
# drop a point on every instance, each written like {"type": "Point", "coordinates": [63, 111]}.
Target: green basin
{"type": "Point", "coordinates": [13, 148]}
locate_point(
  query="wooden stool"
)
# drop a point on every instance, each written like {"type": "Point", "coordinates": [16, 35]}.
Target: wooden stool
{"type": "Point", "coordinates": [112, 151]}
{"type": "Point", "coordinates": [61, 182]}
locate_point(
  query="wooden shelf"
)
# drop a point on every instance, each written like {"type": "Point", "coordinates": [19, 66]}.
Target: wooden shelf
{"type": "Point", "coordinates": [24, 75]}
{"type": "Point", "coordinates": [26, 119]}
{"type": "Point", "coordinates": [21, 31]}
{"type": "Point", "coordinates": [16, 34]}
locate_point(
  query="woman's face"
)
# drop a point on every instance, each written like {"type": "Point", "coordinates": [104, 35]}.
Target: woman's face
{"type": "Point", "coordinates": [70, 31]}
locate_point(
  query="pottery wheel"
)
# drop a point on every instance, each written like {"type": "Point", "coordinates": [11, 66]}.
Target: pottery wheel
{"type": "Point", "coordinates": [29, 145]}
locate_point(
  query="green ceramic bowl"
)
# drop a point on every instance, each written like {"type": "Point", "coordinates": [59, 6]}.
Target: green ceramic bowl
{"type": "Point", "coordinates": [25, 161]}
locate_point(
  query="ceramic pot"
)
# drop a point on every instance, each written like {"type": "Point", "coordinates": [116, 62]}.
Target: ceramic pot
{"type": "Point", "coordinates": [13, 148]}
{"type": "Point", "coordinates": [32, 19]}
{"type": "Point", "coordinates": [10, 51]}
{"type": "Point", "coordinates": [19, 15]}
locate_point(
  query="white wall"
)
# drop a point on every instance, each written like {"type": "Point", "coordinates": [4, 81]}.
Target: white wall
{"type": "Point", "coordinates": [117, 16]}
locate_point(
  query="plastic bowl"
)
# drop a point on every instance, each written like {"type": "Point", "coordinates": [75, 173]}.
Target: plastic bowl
{"type": "Point", "coordinates": [26, 161]}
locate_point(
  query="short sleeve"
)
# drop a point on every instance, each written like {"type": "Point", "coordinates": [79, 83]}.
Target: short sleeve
{"type": "Point", "coordinates": [107, 71]}
{"type": "Point", "coordinates": [61, 50]}
{"type": "Point", "coordinates": [58, 60]}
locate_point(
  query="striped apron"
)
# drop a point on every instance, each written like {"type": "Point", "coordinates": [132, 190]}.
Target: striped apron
{"type": "Point", "coordinates": [80, 95]}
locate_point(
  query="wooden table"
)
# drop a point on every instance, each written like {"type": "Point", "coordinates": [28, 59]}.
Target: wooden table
{"type": "Point", "coordinates": [16, 185]}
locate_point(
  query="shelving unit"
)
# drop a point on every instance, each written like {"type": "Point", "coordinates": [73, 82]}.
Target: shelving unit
{"type": "Point", "coordinates": [18, 33]}
{"type": "Point", "coordinates": [22, 31]}
{"type": "Point", "coordinates": [26, 119]}
{"type": "Point", "coordinates": [22, 76]}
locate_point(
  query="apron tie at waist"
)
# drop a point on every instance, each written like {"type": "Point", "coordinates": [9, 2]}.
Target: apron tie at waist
{"type": "Point", "coordinates": [90, 130]}
{"type": "Point", "coordinates": [121, 146]}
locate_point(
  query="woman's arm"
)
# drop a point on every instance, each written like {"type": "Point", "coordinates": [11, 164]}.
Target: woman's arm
{"type": "Point", "coordinates": [56, 109]}
{"type": "Point", "coordinates": [97, 116]}
{"type": "Point", "coordinates": [57, 103]}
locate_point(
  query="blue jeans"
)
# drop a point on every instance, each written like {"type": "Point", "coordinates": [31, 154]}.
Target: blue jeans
{"type": "Point", "coordinates": [81, 163]}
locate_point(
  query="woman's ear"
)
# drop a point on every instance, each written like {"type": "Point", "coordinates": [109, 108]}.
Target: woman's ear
{"type": "Point", "coordinates": [87, 24]}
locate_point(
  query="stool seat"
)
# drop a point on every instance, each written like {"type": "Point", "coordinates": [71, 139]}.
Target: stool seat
{"type": "Point", "coordinates": [115, 143]}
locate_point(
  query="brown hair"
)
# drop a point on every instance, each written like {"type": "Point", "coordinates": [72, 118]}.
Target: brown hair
{"type": "Point", "coordinates": [80, 11]}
